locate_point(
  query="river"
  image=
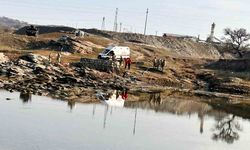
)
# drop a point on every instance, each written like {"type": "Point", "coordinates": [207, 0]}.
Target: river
{"type": "Point", "coordinates": [42, 123]}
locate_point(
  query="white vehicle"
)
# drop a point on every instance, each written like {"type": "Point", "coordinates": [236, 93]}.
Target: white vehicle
{"type": "Point", "coordinates": [79, 33]}
{"type": "Point", "coordinates": [118, 51]}
{"type": "Point", "coordinates": [113, 100]}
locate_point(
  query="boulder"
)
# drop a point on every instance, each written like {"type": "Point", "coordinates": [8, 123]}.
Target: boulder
{"type": "Point", "coordinates": [3, 58]}
{"type": "Point", "coordinates": [34, 58]}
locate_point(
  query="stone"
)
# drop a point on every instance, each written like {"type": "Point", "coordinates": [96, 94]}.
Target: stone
{"type": "Point", "coordinates": [34, 58]}
{"type": "Point", "coordinates": [3, 58]}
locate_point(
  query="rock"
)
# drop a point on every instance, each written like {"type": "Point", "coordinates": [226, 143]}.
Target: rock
{"type": "Point", "coordinates": [74, 45]}
{"type": "Point", "coordinates": [235, 79]}
{"type": "Point", "coordinates": [34, 58]}
{"type": "Point", "coordinates": [39, 69]}
{"type": "Point", "coordinates": [68, 79]}
{"type": "Point", "coordinates": [3, 58]}
{"type": "Point", "coordinates": [1, 84]}
{"type": "Point", "coordinates": [15, 70]}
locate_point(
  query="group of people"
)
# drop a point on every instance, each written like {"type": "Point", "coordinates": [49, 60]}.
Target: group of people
{"type": "Point", "coordinates": [159, 64]}
{"type": "Point", "coordinates": [127, 62]}
{"type": "Point", "coordinates": [119, 62]}
{"type": "Point", "coordinates": [58, 57]}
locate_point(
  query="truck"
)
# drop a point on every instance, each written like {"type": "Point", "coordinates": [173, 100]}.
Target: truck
{"type": "Point", "coordinates": [118, 51]}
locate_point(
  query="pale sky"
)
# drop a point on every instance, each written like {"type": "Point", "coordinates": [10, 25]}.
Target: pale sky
{"type": "Point", "coordinates": [188, 17]}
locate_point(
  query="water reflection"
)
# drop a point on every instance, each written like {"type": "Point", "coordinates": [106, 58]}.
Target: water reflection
{"type": "Point", "coordinates": [113, 98]}
{"type": "Point", "coordinates": [155, 99]}
{"type": "Point", "coordinates": [25, 97]}
{"type": "Point", "coordinates": [71, 104]}
{"type": "Point", "coordinates": [226, 127]}
{"type": "Point", "coordinates": [161, 127]}
{"type": "Point", "coordinates": [227, 130]}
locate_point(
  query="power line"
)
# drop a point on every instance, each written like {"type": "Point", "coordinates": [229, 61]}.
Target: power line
{"type": "Point", "coordinates": [146, 22]}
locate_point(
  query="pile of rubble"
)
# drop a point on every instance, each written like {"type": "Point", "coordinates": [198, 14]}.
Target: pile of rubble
{"type": "Point", "coordinates": [34, 74]}
{"type": "Point", "coordinates": [74, 45]}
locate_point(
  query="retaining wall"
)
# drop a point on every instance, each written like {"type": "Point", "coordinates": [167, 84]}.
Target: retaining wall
{"type": "Point", "coordinates": [97, 64]}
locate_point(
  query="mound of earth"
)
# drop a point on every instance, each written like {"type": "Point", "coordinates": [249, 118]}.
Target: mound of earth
{"type": "Point", "coordinates": [74, 45]}
{"type": "Point", "coordinates": [46, 29]}
{"type": "Point", "coordinates": [231, 65]}
{"type": "Point", "coordinates": [185, 46]}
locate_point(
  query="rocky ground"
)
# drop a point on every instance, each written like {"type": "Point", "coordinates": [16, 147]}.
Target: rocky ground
{"type": "Point", "coordinates": [24, 67]}
{"type": "Point", "coordinates": [34, 74]}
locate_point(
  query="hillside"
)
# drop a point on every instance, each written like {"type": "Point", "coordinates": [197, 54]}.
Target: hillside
{"type": "Point", "coordinates": [187, 62]}
{"type": "Point", "coordinates": [12, 23]}
{"type": "Point", "coordinates": [142, 45]}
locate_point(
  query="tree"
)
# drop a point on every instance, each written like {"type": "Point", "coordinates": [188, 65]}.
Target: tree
{"type": "Point", "coordinates": [237, 39]}
{"type": "Point", "coordinates": [227, 130]}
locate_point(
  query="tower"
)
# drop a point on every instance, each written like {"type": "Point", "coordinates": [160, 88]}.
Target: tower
{"type": "Point", "coordinates": [212, 31]}
{"type": "Point", "coordinates": [115, 22]}
{"type": "Point", "coordinates": [120, 27]}
{"type": "Point", "coordinates": [211, 36]}
{"type": "Point", "coordinates": [146, 22]}
{"type": "Point", "coordinates": [103, 23]}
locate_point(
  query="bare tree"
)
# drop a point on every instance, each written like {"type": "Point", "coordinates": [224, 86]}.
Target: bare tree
{"type": "Point", "coordinates": [237, 39]}
{"type": "Point", "coordinates": [227, 130]}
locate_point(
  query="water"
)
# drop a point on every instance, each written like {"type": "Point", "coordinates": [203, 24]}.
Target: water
{"type": "Point", "coordinates": [39, 123]}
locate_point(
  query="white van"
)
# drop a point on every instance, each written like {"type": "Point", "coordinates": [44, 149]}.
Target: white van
{"type": "Point", "coordinates": [119, 51]}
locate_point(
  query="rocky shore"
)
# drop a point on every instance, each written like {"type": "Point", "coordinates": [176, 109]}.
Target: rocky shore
{"type": "Point", "coordinates": [79, 81]}
{"type": "Point", "coordinates": [34, 74]}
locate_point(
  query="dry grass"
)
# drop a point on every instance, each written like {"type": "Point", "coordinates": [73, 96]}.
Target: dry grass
{"type": "Point", "coordinates": [98, 40]}
{"type": "Point", "coordinates": [242, 75]}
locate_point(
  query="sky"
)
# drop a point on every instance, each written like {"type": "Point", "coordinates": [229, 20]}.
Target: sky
{"type": "Point", "coordinates": [186, 17]}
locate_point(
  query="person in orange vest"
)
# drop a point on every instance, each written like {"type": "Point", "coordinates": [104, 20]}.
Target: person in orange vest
{"type": "Point", "coordinates": [127, 63]}
{"type": "Point", "coordinates": [125, 94]}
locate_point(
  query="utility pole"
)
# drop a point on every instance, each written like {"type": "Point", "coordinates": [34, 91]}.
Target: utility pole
{"type": "Point", "coordinates": [146, 22]}
{"type": "Point", "coordinates": [115, 22]}
{"type": "Point", "coordinates": [120, 27]}
{"type": "Point", "coordinates": [103, 23]}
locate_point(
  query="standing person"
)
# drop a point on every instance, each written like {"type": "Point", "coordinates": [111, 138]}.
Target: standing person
{"type": "Point", "coordinates": [59, 57]}
{"type": "Point", "coordinates": [113, 56]}
{"type": "Point", "coordinates": [126, 62]}
{"type": "Point", "coordinates": [120, 61]}
{"type": "Point", "coordinates": [50, 57]}
{"type": "Point", "coordinates": [114, 62]}
{"type": "Point", "coordinates": [129, 63]}
{"type": "Point", "coordinates": [125, 94]}
{"type": "Point", "coordinates": [163, 63]}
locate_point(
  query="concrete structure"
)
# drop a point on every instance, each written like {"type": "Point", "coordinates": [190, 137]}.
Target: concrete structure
{"type": "Point", "coordinates": [211, 36]}
{"type": "Point", "coordinates": [97, 64]}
